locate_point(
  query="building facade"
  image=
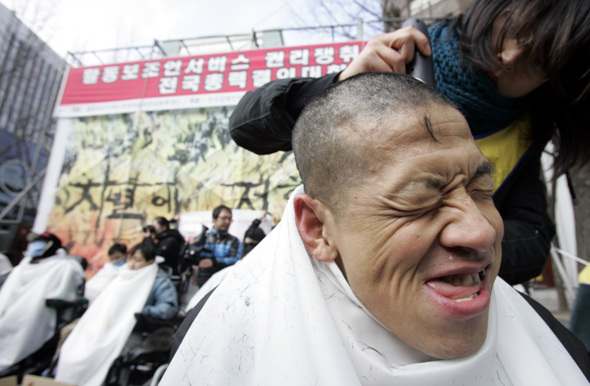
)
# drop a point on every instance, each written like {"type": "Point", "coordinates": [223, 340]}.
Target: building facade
{"type": "Point", "coordinates": [30, 74]}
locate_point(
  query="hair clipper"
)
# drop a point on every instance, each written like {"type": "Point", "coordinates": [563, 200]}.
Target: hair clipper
{"type": "Point", "coordinates": [421, 67]}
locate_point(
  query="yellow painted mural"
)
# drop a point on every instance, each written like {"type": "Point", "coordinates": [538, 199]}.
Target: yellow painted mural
{"type": "Point", "coordinates": [122, 171]}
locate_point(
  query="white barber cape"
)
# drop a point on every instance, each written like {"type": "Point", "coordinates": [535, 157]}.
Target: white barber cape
{"type": "Point", "coordinates": [5, 264]}
{"type": "Point", "coordinates": [103, 330]}
{"type": "Point", "coordinates": [282, 317]}
{"type": "Point", "coordinates": [100, 280]}
{"type": "Point", "coordinates": [26, 323]}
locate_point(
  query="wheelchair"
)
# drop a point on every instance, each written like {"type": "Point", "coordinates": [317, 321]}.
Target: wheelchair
{"type": "Point", "coordinates": [145, 354]}
{"type": "Point", "coordinates": [37, 362]}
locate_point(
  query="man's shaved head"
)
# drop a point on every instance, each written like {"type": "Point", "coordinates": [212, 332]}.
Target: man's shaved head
{"type": "Point", "coordinates": [334, 133]}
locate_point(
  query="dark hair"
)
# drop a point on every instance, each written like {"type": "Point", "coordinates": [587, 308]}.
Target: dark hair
{"type": "Point", "coordinates": [149, 228]}
{"type": "Point", "coordinates": [219, 209]}
{"type": "Point", "coordinates": [163, 222]}
{"type": "Point", "coordinates": [53, 244]}
{"type": "Point", "coordinates": [333, 133]}
{"type": "Point", "coordinates": [556, 34]}
{"type": "Point", "coordinates": [147, 250]}
{"type": "Point", "coordinates": [118, 248]}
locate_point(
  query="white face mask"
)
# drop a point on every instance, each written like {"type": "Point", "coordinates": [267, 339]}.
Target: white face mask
{"type": "Point", "coordinates": [35, 248]}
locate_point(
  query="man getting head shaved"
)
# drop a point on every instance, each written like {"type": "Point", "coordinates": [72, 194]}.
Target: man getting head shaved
{"type": "Point", "coordinates": [384, 267]}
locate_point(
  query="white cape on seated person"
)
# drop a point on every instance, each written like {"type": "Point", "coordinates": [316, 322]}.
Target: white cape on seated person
{"type": "Point", "coordinates": [5, 264]}
{"type": "Point", "coordinates": [101, 280]}
{"type": "Point", "coordinates": [283, 317]}
{"type": "Point", "coordinates": [103, 330]}
{"type": "Point", "coordinates": [26, 323]}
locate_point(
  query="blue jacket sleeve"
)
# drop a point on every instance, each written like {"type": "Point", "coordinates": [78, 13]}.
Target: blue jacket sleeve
{"type": "Point", "coordinates": [231, 257]}
{"type": "Point", "coordinates": [163, 300]}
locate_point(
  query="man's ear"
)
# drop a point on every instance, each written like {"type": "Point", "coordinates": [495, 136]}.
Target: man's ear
{"type": "Point", "coordinates": [314, 220]}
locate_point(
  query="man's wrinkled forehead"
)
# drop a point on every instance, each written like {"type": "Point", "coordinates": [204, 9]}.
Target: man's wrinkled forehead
{"type": "Point", "coordinates": [434, 121]}
{"type": "Point", "coordinates": [412, 127]}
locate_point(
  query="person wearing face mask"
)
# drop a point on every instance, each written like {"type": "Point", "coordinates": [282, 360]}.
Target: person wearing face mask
{"type": "Point", "coordinates": [117, 258]}
{"type": "Point", "coordinates": [100, 335]}
{"type": "Point", "coordinates": [97, 283]}
{"type": "Point", "coordinates": [516, 69]}
{"type": "Point", "coordinates": [46, 272]}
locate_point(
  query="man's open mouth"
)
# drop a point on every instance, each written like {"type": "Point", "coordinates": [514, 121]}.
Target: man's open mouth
{"type": "Point", "coordinates": [459, 288]}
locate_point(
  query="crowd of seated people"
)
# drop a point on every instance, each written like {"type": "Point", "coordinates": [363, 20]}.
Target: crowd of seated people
{"type": "Point", "coordinates": [131, 283]}
{"type": "Point", "coordinates": [99, 336]}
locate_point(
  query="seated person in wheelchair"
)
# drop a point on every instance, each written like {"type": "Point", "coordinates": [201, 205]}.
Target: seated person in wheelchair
{"type": "Point", "coordinates": [99, 337]}
{"type": "Point", "coordinates": [109, 271]}
{"type": "Point", "coordinates": [46, 272]}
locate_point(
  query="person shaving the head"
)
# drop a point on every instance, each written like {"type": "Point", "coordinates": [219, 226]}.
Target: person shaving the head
{"type": "Point", "coordinates": [384, 268]}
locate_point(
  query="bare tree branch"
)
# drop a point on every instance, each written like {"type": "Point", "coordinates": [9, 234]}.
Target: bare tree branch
{"type": "Point", "coordinates": [367, 9]}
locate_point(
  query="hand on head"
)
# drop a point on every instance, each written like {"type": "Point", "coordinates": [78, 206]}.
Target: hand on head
{"type": "Point", "coordinates": [389, 52]}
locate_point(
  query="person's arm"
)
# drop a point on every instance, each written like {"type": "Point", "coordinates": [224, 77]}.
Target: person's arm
{"type": "Point", "coordinates": [163, 300]}
{"type": "Point", "coordinates": [237, 249]}
{"type": "Point", "coordinates": [232, 252]}
{"type": "Point", "coordinates": [528, 229]}
{"type": "Point", "coordinates": [264, 118]}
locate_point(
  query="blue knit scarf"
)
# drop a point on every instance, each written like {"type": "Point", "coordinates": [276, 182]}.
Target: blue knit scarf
{"type": "Point", "coordinates": [476, 97]}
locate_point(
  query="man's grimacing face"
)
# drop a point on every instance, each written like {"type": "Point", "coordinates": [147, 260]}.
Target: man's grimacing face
{"type": "Point", "coordinates": [420, 238]}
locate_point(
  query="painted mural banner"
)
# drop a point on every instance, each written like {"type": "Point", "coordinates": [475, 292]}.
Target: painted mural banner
{"type": "Point", "coordinates": [136, 149]}
{"type": "Point", "coordinates": [122, 171]}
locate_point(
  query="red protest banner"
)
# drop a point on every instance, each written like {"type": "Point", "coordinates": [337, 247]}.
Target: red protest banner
{"type": "Point", "coordinates": [193, 81]}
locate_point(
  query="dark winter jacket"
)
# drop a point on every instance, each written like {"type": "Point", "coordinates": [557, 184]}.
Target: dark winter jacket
{"type": "Point", "coordinates": [169, 245]}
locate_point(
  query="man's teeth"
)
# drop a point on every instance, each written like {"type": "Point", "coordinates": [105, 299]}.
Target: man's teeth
{"type": "Point", "coordinates": [465, 280]}
{"type": "Point", "coordinates": [466, 299]}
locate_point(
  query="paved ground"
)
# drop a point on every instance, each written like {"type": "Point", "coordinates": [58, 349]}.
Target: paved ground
{"type": "Point", "coordinates": [548, 298]}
